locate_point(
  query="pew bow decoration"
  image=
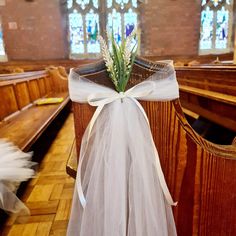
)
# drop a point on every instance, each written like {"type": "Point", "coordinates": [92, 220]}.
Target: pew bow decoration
{"type": "Point", "coordinates": [79, 92]}
{"type": "Point", "coordinates": [119, 174]}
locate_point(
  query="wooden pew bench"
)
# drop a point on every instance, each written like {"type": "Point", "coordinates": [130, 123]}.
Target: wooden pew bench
{"type": "Point", "coordinates": [210, 92]}
{"type": "Point", "coordinates": [199, 173]}
{"type": "Point", "coordinates": [22, 122]}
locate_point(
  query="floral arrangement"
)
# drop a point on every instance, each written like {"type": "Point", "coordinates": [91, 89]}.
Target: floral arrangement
{"type": "Point", "coordinates": [120, 60]}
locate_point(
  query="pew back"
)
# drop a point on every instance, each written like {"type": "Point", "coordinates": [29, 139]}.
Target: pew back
{"type": "Point", "coordinates": [200, 174]}
{"type": "Point", "coordinates": [21, 121]}
{"type": "Point", "coordinates": [210, 92]}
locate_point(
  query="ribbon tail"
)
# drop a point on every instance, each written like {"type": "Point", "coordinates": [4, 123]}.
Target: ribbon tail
{"type": "Point", "coordinates": [79, 182]}
{"type": "Point", "coordinates": [142, 110]}
{"type": "Point", "coordinates": [158, 164]}
{"type": "Point", "coordinates": [79, 186]}
{"type": "Point", "coordinates": [162, 178]}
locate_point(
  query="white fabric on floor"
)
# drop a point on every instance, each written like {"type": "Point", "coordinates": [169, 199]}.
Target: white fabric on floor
{"type": "Point", "coordinates": [15, 167]}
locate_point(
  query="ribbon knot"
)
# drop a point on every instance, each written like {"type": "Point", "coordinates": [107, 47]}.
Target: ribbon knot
{"type": "Point", "coordinates": [101, 99]}
{"type": "Point", "coordinates": [122, 94]}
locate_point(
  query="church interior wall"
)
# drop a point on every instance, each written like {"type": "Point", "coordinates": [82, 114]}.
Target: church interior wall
{"type": "Point", "coordinates": [33, 30]}
{"type": "Point", "coordinates": [170, 27]}
{"type": "Point", "coordinates": [37, 30]}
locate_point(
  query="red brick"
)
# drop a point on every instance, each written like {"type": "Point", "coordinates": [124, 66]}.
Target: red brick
{"type": "Point", "coordinates": [169, 27]}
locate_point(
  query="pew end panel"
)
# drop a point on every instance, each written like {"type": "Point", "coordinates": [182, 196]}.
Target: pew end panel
{"type": "Point", "coordinates": [199, 173]}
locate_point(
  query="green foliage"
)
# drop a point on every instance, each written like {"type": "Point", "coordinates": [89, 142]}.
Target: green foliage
{"type": "Point", "coordinates": [120, 60]}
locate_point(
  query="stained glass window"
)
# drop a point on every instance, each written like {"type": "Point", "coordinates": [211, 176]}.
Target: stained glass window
{"type": "Point", "coordinates": [130, 21]}
{"type": "Point", "coordinates": [122, 17]}
{"type": "Point", "coordinates": [69, 4]}
{"type": "Point", "coordinates": [222, 28]}
{"type": "Point", "coordinates": [76, 32]}
{"type": "Point", "coordinates": [207, 29]}
{"type": "Point", "coordinates": [2, 49]}
{"type": "Point", "coordinates": [89, 18]}
{"type": "Point", "coordinates": [92, 29]}
{"type": "Point", "coordinates": [114, 21]}
{"type": "Point", "coordinates": [216, 26]}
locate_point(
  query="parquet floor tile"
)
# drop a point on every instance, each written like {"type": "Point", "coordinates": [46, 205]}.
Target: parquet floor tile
{"type": "Point", "coordinates": [49, 194]}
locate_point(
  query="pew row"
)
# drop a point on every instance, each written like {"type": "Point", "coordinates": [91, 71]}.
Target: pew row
{"type": "Point", "coordinates": [199, 173]}
{"type": "Point", "coordinates": [28, 66]}
{"type": "Point", "coordinates": [210, 92]}
{"type": "Point", "coordinates": [21, 121]}
{"type": "Point", "coordinates": [192, 60]}
{"type": "Point", "coordinates": [14, 66]}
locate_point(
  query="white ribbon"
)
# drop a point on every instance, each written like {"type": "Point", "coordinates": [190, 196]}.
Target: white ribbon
{"type": "Point", "coordinates": [100, 100]}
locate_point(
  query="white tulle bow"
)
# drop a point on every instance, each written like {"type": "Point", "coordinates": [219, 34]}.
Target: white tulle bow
{"type": "Point", "coordinates": [84, 91]}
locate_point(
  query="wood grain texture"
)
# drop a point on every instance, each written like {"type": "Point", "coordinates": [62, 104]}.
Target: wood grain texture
{"type": "Point", "coordinates": [34, 90]}
{"type": "Point", "coordinates": [48, 84]}
{"type": "Point", "coordinates": [24, 128]}
{"type": "Point", "coordinates": [42, 87]}
{"type": "Point", "coordinates": [209, 78]}
{"type": "Point", "coordinates": [22, 94]}
{"type": "Point", "coordinates": [199, 173]}
{"type": "Point", "coordinates": [210, 92]}
{"type": "Point", "coordinates": [22, 121]}
{"type": "Point", "coordinates": [8, 104]}
{"type": "Point", "coordinates": [49, 202]}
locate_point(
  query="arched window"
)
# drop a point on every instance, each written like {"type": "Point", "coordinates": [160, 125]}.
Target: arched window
{"type": "Point", "coordinates": [3, 56]}
{"type": "Point", "coordinates": [216, 26]}
{"type": "Point", "coordinates": [88, 18]}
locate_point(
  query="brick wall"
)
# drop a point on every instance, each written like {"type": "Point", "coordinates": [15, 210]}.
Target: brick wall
{"type": "Point", "coordinates": [169, 27]}
{"type": "Point", "coordinates": [40, 32]}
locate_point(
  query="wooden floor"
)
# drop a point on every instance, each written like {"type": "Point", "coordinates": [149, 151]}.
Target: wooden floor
{"type": "Point", "coordinates": [49, 195]}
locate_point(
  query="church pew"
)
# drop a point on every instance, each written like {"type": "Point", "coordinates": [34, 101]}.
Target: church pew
{"type": "Point", "coordinates": [200, 59]}
{"type": "Point", "coordinates": [27, 66]}
{"type": "Point", "coordinates": [200, 174]}
{"type": "Point", "coordinates": [210, 92]}
{"type": "Point", "coordinates": [22, 122]}
{"type": "Point", "coordinates": [10, 66]}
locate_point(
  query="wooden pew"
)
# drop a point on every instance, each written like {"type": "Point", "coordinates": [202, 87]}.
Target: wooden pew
{"type": "Point", "coordinates": [6, 67]}
{"type": "Point", "coordinates": [200, 59]}
{"type": "Point", "coordinates": [200, 174]}
{"type": "Point", "coordinates": [22, 122]}
{"type": "Point", "coordinates": [210, 92]}
{"type": "Point", "coordinates": [27, 66]}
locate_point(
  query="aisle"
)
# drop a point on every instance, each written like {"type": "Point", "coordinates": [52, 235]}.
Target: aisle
{"type": "Point", "coordinates": [49, 195]}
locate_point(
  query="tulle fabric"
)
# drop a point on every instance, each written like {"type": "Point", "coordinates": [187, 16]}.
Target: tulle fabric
{"type": "Point", "coordinates": [15, 167]}
{"type": "Point", "coordinates": [119, 172]}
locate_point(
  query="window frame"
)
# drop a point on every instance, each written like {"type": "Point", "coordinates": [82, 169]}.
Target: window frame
{"type": "Point", "coordinates": [229, 47]}
{"type": "Point", "coordinates": [103, 19]}
{"type": "Point", "coordinates": [3, 58]}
